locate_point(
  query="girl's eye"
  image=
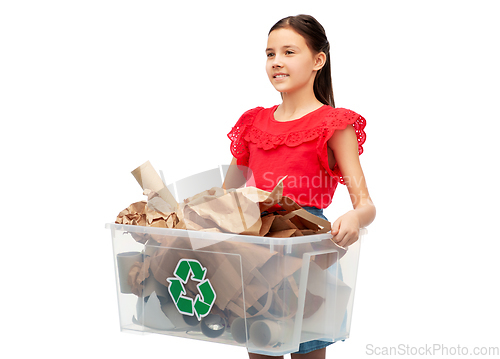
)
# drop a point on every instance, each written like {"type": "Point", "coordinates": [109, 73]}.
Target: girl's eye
{"type": "Point", "coordinates": [289, 52]}
{"type": "Point", "coordinates": [270, 54]}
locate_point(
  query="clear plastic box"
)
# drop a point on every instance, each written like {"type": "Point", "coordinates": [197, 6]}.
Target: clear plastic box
{"type": "Point", "coordinates": [268, 294]}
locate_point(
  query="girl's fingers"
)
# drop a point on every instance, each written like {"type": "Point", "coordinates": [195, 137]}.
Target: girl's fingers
{"type": "Point", "coordinates": [335, 227]}
{"type": "Point", "coordinates": [339, 237]}
{"type": "Point", "coordinates": [345, 238]}
{"type": "Point", "coordinates": [345, 242]}
{"type": "Point", "coordinates": [349, 239]}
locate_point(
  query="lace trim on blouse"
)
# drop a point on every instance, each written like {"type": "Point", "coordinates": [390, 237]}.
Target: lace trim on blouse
{"type": "Point", "coordinates": [239, 147]}
{"type": "Point", "coordinates": [338, 120]}
{"type": "Point", "coordinates": [333, 120]}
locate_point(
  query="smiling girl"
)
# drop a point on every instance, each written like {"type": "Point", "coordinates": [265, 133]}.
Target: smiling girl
{"type": "Point", "coordinates": [304, 138]}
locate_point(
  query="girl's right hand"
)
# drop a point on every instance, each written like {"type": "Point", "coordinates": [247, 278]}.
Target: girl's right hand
{"type": "Point", "coordinates": [345, 230]}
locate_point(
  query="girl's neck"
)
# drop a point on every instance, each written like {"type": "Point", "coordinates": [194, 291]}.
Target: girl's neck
{"type": "Point", "coordinates": [296, 106]}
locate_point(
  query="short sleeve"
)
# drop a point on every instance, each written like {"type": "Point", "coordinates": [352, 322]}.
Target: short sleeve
{"type": "Point", "coordinates": [239, 146]}
{"type": "Point", "coordinates": [339, 119]}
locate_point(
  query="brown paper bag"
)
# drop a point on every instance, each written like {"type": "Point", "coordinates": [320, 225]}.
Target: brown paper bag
{"type": "Point", "coordinates": [231, 212]}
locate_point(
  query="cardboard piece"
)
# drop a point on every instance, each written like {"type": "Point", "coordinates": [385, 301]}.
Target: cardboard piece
{"type": "Point", "coordinates": [153, 315]}
{"type": "Point", "coordinates": [310, 220]}
{"type": "Point", "coordinates": [335, 310]}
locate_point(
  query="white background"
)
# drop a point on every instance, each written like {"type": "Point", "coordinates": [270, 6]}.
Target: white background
{"type": "Point", "coordinates": [89, 90]}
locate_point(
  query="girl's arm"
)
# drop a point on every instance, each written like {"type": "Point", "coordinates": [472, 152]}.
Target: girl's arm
{"type": "Point", "coordinates": [345, 229]}
{"type": "Point", "coordinates": [235, 178]}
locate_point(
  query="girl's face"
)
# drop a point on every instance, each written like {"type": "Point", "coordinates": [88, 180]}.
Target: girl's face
{"type": "Point", "coordinates": [290, 65]}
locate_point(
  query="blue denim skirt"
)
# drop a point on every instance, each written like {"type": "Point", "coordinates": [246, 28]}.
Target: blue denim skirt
{"type": "Point", "coordinates": [316, 211]}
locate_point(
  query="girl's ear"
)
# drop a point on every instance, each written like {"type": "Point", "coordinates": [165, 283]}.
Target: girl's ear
{"type": "Point", "coordinates": [320, 61]}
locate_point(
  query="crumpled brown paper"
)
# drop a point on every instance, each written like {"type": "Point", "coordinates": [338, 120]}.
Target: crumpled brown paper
{"type": "Point", "coordinates": [138, 273]}
{"type": "Point", "coordinates": [148, 214]}
{"type": "Point", "coordinates": [219, 210]}
{"type": "Point", "coordinates": [270, 287]}
{"type": "Point", "coordinates": [240, 211]}
{"type": "Point", "coordinates": [234, 211]}
{"type": "Point", "coordinates": [140, 214]}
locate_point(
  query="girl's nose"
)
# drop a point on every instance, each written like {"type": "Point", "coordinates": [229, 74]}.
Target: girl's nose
{"type": "Point", "coordinates": [277, 64]}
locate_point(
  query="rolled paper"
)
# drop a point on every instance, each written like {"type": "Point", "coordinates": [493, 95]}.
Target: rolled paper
{"type": "Point", "coordinates": [191, 320]}
{"type": "Point", "coordinates": [268, 332]}
{"type": "Point", "coordinates": [148, 178]}
{"type": "Point", "coordinates": [239, 331]}
{"type": "Point", "coordinates": [124, 262]}
{"type": "Point", "coordinates": [213, 325]}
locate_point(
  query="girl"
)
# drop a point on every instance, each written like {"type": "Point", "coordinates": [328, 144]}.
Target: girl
{"type": "Point", "coordinates": [304, 138]}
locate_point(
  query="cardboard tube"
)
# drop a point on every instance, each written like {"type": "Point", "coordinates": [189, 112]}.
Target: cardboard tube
{"type": "Point", "coordinates": [239, 331]}
{"type": "Point", "coordinates": [191, 320]}
{"type": "Point", "coordinates": [124, 261]}
{"type": "Point", "coordinates": [267, 332]}
{"type": "Point", "coordinates": [148, 178]}
{"type": "Point", "coordinates": [213, 325]}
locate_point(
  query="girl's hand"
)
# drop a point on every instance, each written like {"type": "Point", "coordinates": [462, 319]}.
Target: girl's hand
{"type": "Point", "coordinates": [345, 229]}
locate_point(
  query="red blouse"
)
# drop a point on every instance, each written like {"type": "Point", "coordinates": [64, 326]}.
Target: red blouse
{"type": "Point", "coordinates": [296, 149]}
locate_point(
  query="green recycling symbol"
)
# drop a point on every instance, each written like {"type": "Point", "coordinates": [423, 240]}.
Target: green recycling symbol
{"type": "Point", "coordinates": [203, 302]}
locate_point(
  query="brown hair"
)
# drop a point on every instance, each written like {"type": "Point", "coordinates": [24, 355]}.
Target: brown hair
{"type": "Point", "coordinates": [314, 34]}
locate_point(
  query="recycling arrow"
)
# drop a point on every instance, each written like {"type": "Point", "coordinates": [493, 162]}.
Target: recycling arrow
{"type": "Point", "coordinates": [204, 301]}
{"type": "Point", "coordinates": [185, 266]}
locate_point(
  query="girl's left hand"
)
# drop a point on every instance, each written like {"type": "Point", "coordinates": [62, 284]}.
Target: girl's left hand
{"type": "Point", "coordinates": [345, 229]}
